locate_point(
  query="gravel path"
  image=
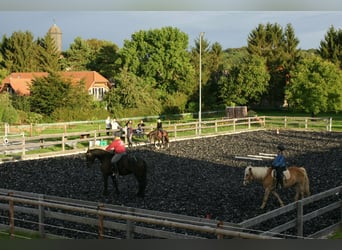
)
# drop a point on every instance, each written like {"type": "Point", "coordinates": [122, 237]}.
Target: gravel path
{"type": "Point", "coordinates": [194, 177]}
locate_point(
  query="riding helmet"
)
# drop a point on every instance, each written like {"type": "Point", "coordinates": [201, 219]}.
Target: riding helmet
{"type": "Point", "coordinates": [281, 147]}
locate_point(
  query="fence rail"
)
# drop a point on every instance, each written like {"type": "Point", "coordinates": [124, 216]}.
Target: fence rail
{"type": "Point", "coordinates": [128, 222]}
{"type": "Point", "coordinates": [20, 144]}
{"type": "Point", "coordinates": [300, 218]}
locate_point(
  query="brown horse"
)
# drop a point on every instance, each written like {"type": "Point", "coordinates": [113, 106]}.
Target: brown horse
{"type": "Point", "coordinates": [126, 165]}
{"type": "Point", "coordinates": [293, 176]}
{"type": "Point", "coordinates": [159, 138]}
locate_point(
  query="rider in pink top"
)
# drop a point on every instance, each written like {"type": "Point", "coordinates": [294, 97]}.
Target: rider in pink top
{"type": "Point", "coordinates": [117, 146]}
{"type": "Point", "coordinates": [119, 149]}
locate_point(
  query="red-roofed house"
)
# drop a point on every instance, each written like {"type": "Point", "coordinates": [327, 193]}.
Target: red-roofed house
{"type": "Point", "coordinates": [20, 83]}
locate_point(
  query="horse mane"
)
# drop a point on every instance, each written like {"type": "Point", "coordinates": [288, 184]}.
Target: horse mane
{"type": "Point", "coordinates": [99, 151]}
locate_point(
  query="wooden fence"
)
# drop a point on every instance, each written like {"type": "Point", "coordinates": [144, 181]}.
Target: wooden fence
{"type": "Point", "coordinates": [48, 213]}
{"type": "Point", "coordinates": [110, 221]}
{"type": "Point", "coordinates": [297, 208]}
{"type": "Point", "coordinates": [64, 143]}
{"type": "Point", "coordinates": [73, 142]}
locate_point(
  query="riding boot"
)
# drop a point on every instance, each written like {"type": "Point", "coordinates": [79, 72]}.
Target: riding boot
{"type": "Point", "coordinates": [278, 177]}
{"type": "Point", "coordinates": [280, 182]}
{"type": "Point", "coordinates": [115, 169]}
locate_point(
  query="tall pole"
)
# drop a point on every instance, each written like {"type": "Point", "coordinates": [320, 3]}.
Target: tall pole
{"type": "Point", "coordinates": [200, 85]}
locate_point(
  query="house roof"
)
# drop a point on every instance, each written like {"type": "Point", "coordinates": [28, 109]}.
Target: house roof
{"type": "Point", "coordinates": [21, 82]}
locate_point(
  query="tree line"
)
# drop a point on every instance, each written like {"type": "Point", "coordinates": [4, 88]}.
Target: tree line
{"type": "Point", "coordinates": [157, 72]}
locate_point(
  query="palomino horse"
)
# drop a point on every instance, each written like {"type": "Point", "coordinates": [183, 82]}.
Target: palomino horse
{"type": "Point", "coordinates": [160, 139]}
{"type": "Point", "coordinates": [126, 165]}
{"type": "Point", "coordinates": [294, 176]}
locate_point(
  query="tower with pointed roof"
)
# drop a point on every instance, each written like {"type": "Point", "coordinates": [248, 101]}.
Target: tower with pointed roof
{"type": "Point", "coordinates": [56, 34]}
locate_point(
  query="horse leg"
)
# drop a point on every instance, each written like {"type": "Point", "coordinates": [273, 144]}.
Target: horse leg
{"type": "Point", "coordinates": [278, 197]}
{"type": "Point", "coordinates": [105, 185]}
{"type": "Point", "coordinates": [115, 183]}
{"type": "Point", "coordinates": [264, 200]}
{"type": "Point", "coordinates": [142, 186]}
{"type": "Point", "coordinates": [299, 192]}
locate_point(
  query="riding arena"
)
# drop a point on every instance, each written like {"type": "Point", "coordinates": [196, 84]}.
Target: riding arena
{"type": "Point", "coordinates": [200, 177]}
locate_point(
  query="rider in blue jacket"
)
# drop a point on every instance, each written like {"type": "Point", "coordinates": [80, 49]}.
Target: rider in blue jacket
{"type": "Point", "coordinates": [279, 164]}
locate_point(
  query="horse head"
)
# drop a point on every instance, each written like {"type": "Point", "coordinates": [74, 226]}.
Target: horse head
{"type": "Point", "coordinates": [248, 177]}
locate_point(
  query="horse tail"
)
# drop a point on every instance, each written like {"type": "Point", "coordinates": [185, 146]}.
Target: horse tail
{"type": "Point", "coordinates": [306, 182]}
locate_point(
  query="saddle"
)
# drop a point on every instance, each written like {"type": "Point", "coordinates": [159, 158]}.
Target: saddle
{"type": "Point", "coordinates": [286, 174]}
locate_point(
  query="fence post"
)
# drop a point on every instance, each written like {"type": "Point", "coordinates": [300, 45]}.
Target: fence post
{"type": "Point", "coordinates": [220, 226]}
{"type": "Point", "coordinates": [300, 218]}
{"type": "Point", "coordinates": [130, 225]}
{"type": "Point", "coordinates": [41, 216]}
{"type": "Point", "coordinates": [285, 121]}
{"type": "Point", "coordinates": [175, 131]}
{"type": "Point", "coordinates": [330, 124]}
{"type": "Point", "coordinates": [249, 123]}
{"type": "Point", "coordinates": [306, 123]}
{"type": "Point", "coordinates": [23, 148]}
{"type": "Point", "coordinates": [63, 142]}
{"type": "Point", "coordinates": [216, 126]}
{"type": "Point", "coordinates": [11, 215]}
{"type": "Point", "coordinates": [100, 206]}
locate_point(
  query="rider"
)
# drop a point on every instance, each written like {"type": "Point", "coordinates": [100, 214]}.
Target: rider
{"type": "Point", "coordinates": [141, 126]}
{"type": "Point", "coordinates": [160, 128]}
{"type": "Point", "coordinates": [119, 149]}
{"type": "Point", "coordinates": [279, 164]}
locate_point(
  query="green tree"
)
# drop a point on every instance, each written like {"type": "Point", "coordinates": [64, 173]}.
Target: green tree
{"type": "Point", "coordinates": [215, 62]}
{"type": "Point", "coordinates": [210, 57]}
{"type": "Point", "coordinates": [49, 93]}
{"type": "Point", "coordinates": [315, 86]}
{"type": "Point", "coordinates": [7, 112]}
{"type": "Point", "coordinates": [245, 83]}
{"type": "Point", "coordinates": [161, 59]}
{"type": "Point", "coordinates": [48, 55]}
{"type": "Point", "coordinates": [131, 95]}
{"type": "Point", "coordinates": [331, 47]}
{"type": "Point", "coordinates": [20, 52]}
{"type": "Point", "coordinates": [105, 59]}
{"type": "Point", "coordinates": [78, 56]}
{"type": "Point", "coordinates": [279, 47]}
{"type": "Point", "coordinates": [78, 105]}
{"type": "Point", "coordinates": [3, 70]}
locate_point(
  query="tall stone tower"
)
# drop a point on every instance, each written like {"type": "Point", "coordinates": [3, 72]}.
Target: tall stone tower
{"type": "Point", "coordinates": [56, 34]}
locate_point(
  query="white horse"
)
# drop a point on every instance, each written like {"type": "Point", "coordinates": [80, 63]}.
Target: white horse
{"type": "Point", "coordinates": [293, 176]}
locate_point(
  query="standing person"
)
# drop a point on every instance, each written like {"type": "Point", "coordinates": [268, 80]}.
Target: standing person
{"type": "Point", "coordinates": [119, 149]}
{"type": "Point", "coordinates": [116, 126]}
{"type": "Point", "coordinates": [279, 164]}
{"type": "Point", "coordinates": [129, 126]}
{"type": "Point", "coordinates": [108, 125]}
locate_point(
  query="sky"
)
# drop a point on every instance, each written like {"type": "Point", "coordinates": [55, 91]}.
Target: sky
{"type": "Point", "coordinates": [227, 25]}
